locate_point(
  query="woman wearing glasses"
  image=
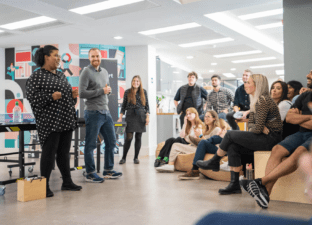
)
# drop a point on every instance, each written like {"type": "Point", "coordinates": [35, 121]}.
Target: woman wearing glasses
{"type": "Point", "coordinates": [52, 101]}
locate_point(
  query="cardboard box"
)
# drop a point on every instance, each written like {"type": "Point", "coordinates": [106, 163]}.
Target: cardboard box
{"type": "Point", "coordinates": [31, 189]}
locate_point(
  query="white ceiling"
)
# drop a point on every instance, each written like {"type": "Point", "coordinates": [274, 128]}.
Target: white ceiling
{"type": "Point", "coordinates": [127, 21]}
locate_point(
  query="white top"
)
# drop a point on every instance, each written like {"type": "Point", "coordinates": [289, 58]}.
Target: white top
{"type": "Point", "coordinates": [283, 107]}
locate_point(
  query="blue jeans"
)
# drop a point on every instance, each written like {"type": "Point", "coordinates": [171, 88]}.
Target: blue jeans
{"type": "Point", "coordinates": [231, 218]}
{"type": "Point", "coordinates": [222, 115]}
{"type": "Point", "coordinates": [96, 123]}
{"type": "Point", "coordinates": [206, 146]}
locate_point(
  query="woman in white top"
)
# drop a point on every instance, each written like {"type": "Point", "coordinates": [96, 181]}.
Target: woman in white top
{"type": "Point", "coordinates": [192, 126]}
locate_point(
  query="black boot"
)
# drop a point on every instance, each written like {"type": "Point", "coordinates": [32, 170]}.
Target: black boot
{"type": "Point", "coordinates": [233, 187]}
{"type": "Point", "coordinates": [49, 192]}
{"type": "Point", "coordinates": [68, 185]}
{"type": "Point", "coordinates": [211, 164]}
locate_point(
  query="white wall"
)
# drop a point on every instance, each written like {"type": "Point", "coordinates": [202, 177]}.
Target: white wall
{"type": "Point", "coordinates": [2, 91]}
{"type": "Point", "coordinates": [141, 60]}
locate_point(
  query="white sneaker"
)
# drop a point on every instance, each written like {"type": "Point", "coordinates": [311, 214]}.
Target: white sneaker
{"type": "Point", "coordinates": [165, 168]}
{"type": "Point", "coordinates": [225, 166]}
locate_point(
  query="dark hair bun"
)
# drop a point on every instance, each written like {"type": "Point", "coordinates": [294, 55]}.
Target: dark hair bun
{"type": "Point", "coordinates": [39, 57]}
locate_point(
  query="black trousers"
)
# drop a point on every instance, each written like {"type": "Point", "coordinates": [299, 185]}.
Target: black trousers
{"type": "Point", "coordinates": [231, 121]}
{"type": "Point", "coordinates": [165, 151]}
{"type": "Point", "coordinates": [57, 144]}
{"type": "Point", "coordinates": [237, 143]}
{"type": "Point", "coordinates": [182, 119]}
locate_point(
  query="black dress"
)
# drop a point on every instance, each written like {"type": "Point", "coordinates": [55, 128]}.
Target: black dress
{"type": "Point", "coordinates": [136, 114]}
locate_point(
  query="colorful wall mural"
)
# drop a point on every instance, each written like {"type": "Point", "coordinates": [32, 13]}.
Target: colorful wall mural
{"type": "Point", "coordinates": [19, 65]}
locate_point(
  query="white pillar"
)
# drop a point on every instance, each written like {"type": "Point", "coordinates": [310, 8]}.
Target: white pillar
{"type": "Point", "coordinates": [141, 60]}
{"type": "Point", "coordinates": [2, 92]}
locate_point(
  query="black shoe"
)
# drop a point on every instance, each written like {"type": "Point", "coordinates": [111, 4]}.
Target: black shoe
{"type": "Point", "coordinates": [122, 161]}
{"type": "Point", "coordinates": [157, 163]}
{"type": "Point", "coordinates": [209, 165]}
{"type": "Point", "coordinates": [232, 188]}
{"type": "Point", "coordinates": [258, 191]}
{"type": "Point", "coordinates": [70, 187]}
{"type": "Point", "coordinates": [136, 161]}
{"type": "Point", "coordinates": [49, 193]}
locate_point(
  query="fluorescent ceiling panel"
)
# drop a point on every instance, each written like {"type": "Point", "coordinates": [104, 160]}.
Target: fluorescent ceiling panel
{"type": "Point", "coordinates": [103, 6]}
{"type": "Point", "coordinates": [270, 25]}
{"type": "Point", "coordinates": [189, 57]}
{"type": "Point", "coordinates": [238, 54]}
{"type": "Point", "coordinates": [254, 60]}
{"type": "Point", "coordinates": [232, 22]}
{"type": "Point", "coordinates": [229, 74]}
{"type": "Point", "coordinates": [233, 69]}
{"type": "Point", "coordinates": [280, 72]}
{"type": "Point", "coordinates": [267, 66]}
{"type": "Point", "coordinates": [118, 37]}
{"type": "Point", "coordinates": [170, 29]}
{"type": "Point", "coordinates": [214, 64]}
{"type": "Point", "coordinates": [261, 14]}
{"type": "Point", "coordinates": [1, 31]}
{"type": "Point", "coordinates": [27, 23]}
{"type": "Point", "coordinates": [211, 71]}
{"type": "Point", "coordinates": [209, 42]}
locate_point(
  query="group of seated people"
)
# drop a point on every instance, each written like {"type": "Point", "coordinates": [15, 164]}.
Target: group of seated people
{"type": "Point", "coordinates": [276, 123]}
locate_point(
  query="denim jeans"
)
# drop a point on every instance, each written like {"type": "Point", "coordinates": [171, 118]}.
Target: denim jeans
{"type": "Point", "coordinates": [206, 146]}
{"type": "Point", "coordinates": [222, 115]}
{"type": "Point", "coordinates": [96, 123]}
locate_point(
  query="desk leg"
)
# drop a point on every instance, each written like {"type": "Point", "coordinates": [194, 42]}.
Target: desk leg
{"type": "Point", "coordinates": [21, 154]}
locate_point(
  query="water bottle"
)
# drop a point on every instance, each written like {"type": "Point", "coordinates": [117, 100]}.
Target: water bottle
{"type": "Point", "coordinates": [17, 113]}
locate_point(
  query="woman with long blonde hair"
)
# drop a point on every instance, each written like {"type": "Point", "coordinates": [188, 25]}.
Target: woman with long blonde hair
{"type": "Point", "coordinates": [135, 102]}
{"type": "Point", "coordinates": [264, 131]}
{"type": "Point", "coordinates": [192, 126]}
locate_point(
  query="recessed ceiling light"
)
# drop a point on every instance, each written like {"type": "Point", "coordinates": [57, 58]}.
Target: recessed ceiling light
{"type": "Point", "coordinates": [209, 42]}
{"type": "Point", "coordinates": [1, 31]}
{"type": "Point", "coordinates": [238, 54]}
{"type": "Point", "coordinates": [214, 64]}
{"type": "Point", "coordinates": [118, 37]}
{"type": "Point", "coordinates": [173, 66]}
{"type": "Point", "coordinates": [267, 66]}
{"type": "Point", "coordinates": [27, 23]}
{"type": "Point", "coordinates": [211, 71]}
{"type": "Point", "coordinates": [103, 6]}
{"type": "Point", "coordinates": [280, 72]}
{"type": "Point", "coordinates": [254, 60]}
{"type": "Point", "coordinates": [261, 14]}
{"type": "Point", "coordinates": [282, 42]}
{"type": "Point", "coordinates": [282, 77]}
{"type": "Point", "coordinates": [233, 69]}
{"type": "Point", "coordinates": [233, 23]}
{"type": "Point", "coordinates": [189, 57]}
{"type": "Point", "coordinates": [170, 29]}
{"type": "Point", "coordinates": [175, 72]}
{"type": "Point", "coordinates": [229, 74]}
{"type": "Point", "coordinates": [270, 25]}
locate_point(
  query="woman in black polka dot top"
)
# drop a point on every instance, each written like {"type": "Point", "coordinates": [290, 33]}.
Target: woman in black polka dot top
{"type": "Point", "coordinates": [53, 102]}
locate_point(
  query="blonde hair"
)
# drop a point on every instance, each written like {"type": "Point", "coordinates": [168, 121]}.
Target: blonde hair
{"type": "Point", "coordinates": [198, 122]}
{"type": "Point", "coordinates": [216, 123]}
{"type": "Point", "coordinates": [262, 88]}
{"type": "Point", "coordinates": [224, 125]}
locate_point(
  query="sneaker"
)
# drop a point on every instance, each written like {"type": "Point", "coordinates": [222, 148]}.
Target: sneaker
{"type": "Point", "coordinates": [257, 190]}
{"type": "Point", "coordinates": [166, 168]}
{"type": "Point", "coordinates": [111, 174]}
{"type": "Point", "coordinates": [94, 178]}
{"type": "Point", "coordinates": [190, 175]}
{"type": "Point", "coordinates": [225, 166]}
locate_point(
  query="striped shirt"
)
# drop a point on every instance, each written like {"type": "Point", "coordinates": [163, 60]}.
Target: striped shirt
{"type": "Point", "coordinates": [220, 100]}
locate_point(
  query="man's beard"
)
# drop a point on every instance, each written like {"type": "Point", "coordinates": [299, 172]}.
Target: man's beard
{"type": "Point", "coordinates": [310, 84]}
{"type": "Point", "coordinates": [215, 85]}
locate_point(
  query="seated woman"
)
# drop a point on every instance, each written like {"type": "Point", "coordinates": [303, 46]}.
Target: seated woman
{"type": "Point", "coordinates": [209, 145]}
{"type": "Point", "coordinates": [293, 90]}
{"type": "Point", "coordinates": [279, 93]}
{"type": "Point", "coordinates": [211, 127]}
{"type": "Point", "coordinates": [192, 126]}
{"type": "Point", "coordinates": [264, 131]}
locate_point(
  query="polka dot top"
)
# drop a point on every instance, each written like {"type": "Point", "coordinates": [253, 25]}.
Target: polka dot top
{"type": "Point", "coordinates": [51, 116]}
{"type": "Point", "coordinates": [127, 105]}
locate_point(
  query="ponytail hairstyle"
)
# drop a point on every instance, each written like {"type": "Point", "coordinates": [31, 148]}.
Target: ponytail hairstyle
{"type": "Point", "coordinates": [198, 122]}
{"type": "Point", "coordinates": [41, 52]}
{"type": "Point", "coordinates": [131, 95]}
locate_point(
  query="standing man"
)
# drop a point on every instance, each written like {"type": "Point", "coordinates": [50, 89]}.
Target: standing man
{"type": "Point", "coordinates": [94, 88]}
{"type": "Point", "coordinates": [220, 98]}
{"type": "Point", "coordinates": [241, 102]}
{"type": "Point", "coordinates": [190, 95]}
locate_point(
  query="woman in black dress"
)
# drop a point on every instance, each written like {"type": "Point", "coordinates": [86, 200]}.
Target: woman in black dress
{"type": "Point", "coordinates": [52, 101]}
{"type": "Point", "coordinates": [136, 104]}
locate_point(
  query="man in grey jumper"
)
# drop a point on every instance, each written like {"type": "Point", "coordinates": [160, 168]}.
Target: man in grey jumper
{"type": "Point", "coordinates": [94, 88]}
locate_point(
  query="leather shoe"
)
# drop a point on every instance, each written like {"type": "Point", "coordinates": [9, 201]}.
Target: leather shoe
{"type": "Point", "coordinates": [136, 161]}
{"type": "Point", "coordinates": [209, 165]}
{"type": "Point", "coordinates": [70, 187]}
{"type": "Point", "coordinates": [122, 161]}
{"type": "Point", "coordinates": [232, 188]}
{"type": "Point", "coordinates": [49, 193]}
{"type": "Point", "coordinates": [157, 163]}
